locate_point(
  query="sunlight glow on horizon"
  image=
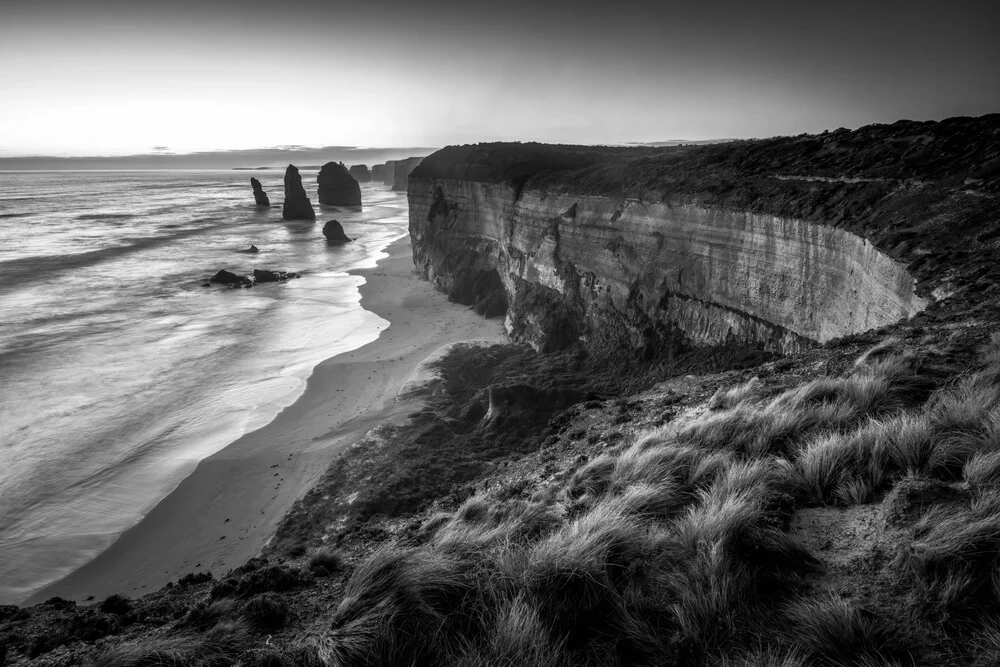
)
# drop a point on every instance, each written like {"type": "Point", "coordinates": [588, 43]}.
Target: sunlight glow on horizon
{"type": "Point", "coordinates": [107, 78]}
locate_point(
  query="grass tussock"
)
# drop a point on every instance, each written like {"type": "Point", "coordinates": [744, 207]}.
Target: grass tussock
{"type": "Point", "coordinates": [725, 399]}
{"type": "Point", "coordinates": [218, 647]}
{"type": "Point", "coordinates": [834, 632]}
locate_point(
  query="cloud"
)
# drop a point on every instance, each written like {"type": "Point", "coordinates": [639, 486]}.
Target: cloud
{"type": "Point", "coordinates": [161, 149]}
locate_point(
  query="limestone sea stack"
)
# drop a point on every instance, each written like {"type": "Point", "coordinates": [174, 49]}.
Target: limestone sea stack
{"type": "Point", "coordinates": [378, 173]}
{"type": "Point", "coordinates": [334, 233]}
{"type": "Point", "coordinates": [297, 205]}
{"type": "Point", "coordinates": [259, 195]}
{"type": "Point", "coordinates": [401, 172]}
{"type": "Point", "coordinates": [360, 173]}
{"type": "Point", "coordinates": [337, 187]}
{"type": "Point", "coordinates": [390, 168]}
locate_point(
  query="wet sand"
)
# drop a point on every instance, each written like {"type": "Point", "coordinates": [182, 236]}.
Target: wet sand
{"type": "Point", "coordinates": [226, 510]}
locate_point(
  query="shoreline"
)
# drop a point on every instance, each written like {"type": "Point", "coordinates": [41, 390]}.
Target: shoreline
{"type": "Point", "coordinates": [227, 510]}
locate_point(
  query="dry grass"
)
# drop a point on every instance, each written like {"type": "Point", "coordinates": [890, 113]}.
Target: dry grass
{"type": "Point", "coordinates": [675, 549]}
{"type": "Point", "coordinates": [218, 647]}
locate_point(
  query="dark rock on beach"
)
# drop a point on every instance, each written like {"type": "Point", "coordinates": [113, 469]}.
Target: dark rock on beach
{"type": "Point", "coordinates": [297, 205]}
{"type": "Point", "coordinates": [378, 172]}
{"type": "Point", "coordinates": [252, 250]}
{"type": "Point", "coordinates": [337, 187]}
{"type": "Point", "coordinates": [231, 279]}
{"type": "Point", "coordinates": [264, 276]}
{"type": "Point", "coordinates": [334, 233]}
{"type": "Point", "coordinates": [258, 193]}
{"type": "Point", "coordinates": [224, 277]}
{"type": "Point", "coordinates": [360, 173]}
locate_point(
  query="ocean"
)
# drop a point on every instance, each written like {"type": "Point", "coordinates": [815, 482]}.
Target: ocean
{"type": "Point", "coordinates": [120, 371]}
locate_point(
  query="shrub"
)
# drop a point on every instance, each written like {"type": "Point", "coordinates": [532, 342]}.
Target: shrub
{"type": "Point", "coordinates": [207, 613]}
{"type": "Point", "coordinates": [194, 578]}
{"type": "Point", "coordinates": [116, 604]}
{"type": "Point", "coordinates": [274, 577]}
{"type": "Point", "coordinates": [267, 611]}
{"type": "Point", "coordinates": [326, 561]}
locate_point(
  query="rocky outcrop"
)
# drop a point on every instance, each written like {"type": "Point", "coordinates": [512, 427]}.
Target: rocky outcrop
{"type": "Point", "coordinates": [259, 195]}
{"type": "Point", "coordinates": [360, 173]}
{"type": "Point", "coordinates": [264, 276]}
{"type": "Point", "coordinates": [297, 205]}
{"type": "Point", "coordinates": [334, 233]}
{"type": "Point", "coordinates": [776, 244]}
{"type": "Point", "coordinates": [337, 187]}
{"type": "Point", "coordinates": [401, 170]}
{"type": "Point", "coordinates": [259, 276]}
{"type": "Point", "coordinates": [378, 173]}
{"type": "Point", "coordinates": [224, 277]}
{"type": "Point", "coordinates": [390, 170]}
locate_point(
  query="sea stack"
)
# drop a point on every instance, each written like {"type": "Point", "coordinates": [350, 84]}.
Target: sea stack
{"type": "Point", "coordinates": [334, 233]}
{"type": "Point", "coordinates": [297, 205]}
{"type": "Point", "coordinates": [401, 172]}
{"type": "Point", "coordinates": [390, 168]}
{"type": "Point", "coordinates": [259, 195]}
{"type": "Point", "coordinates": [378, 172]}
{"type": "Point", "coordinates": [337, 187]}
{"type": "Point", "coordinates": [360, 173]}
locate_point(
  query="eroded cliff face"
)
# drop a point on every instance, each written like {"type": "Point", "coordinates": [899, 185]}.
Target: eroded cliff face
{"type": "Point", "coordinates": [645, 275]}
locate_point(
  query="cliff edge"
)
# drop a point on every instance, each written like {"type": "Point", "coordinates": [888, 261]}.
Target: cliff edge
{"type": "Point", "coordinates": [776, 243]}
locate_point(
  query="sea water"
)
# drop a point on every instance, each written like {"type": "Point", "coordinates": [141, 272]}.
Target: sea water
{"type": "Point", "coordinates": [119, 370]}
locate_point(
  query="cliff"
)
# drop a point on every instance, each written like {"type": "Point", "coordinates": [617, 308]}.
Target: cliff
{"type": "Point", "coordinates": [774, 243]}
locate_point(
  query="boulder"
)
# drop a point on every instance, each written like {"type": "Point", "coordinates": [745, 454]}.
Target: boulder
{"type": "Point", "coordinates": [297, 205]}
{"type": "Point", "coordinates": [252, 250]}
{"type": "Point", "coordinates": [360, 173]}
{"type": "Point", "coordinates": [378, 173]}
{"type": "Point", "coordinates": [224, 277]}
{"type": "Point", "coordinates": [334, 233]}
{"type": "Point", "coordinates": [259, 195]}
{"type": "Point", "coordinates": [337, 187]}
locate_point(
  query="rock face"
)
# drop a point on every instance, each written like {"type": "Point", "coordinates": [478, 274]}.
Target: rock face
{"type": "Point", "coordinates": [378, 173]}
{"type": "Point", "coordinates": [337, 187]}
{"type": "Point", "coordinates": [719, 245]}
{"type": "Point", "coordinates": [334, 233]}
{"type": "Point", "coordinates": [360, 173]}
{"type": "Point", "coordinates": [401, 170]}
{"type": "Point", "coordinates": [297, 205]}
{"type": "Point", "coordinates": [259, 195]}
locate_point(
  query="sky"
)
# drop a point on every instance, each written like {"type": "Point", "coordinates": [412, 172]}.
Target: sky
{"type": "Point", "coordinates": [91, 77]}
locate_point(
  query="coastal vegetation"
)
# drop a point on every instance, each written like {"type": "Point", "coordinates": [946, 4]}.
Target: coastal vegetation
{"type": "Point", "coordinates": [684, 505]}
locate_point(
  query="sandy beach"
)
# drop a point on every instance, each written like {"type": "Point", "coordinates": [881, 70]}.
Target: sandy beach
{"type": "Point", "coordinates": [226, 510]}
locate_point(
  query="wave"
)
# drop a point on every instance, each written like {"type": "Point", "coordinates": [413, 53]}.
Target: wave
{"type": "Point", "coordinates": [104, 216]}
{"type": "Point", "coordinates": [24, 270]}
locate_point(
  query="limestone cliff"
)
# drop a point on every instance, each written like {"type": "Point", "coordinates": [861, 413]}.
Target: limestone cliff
{"type": "Point", "coordinates": [776, 243]}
